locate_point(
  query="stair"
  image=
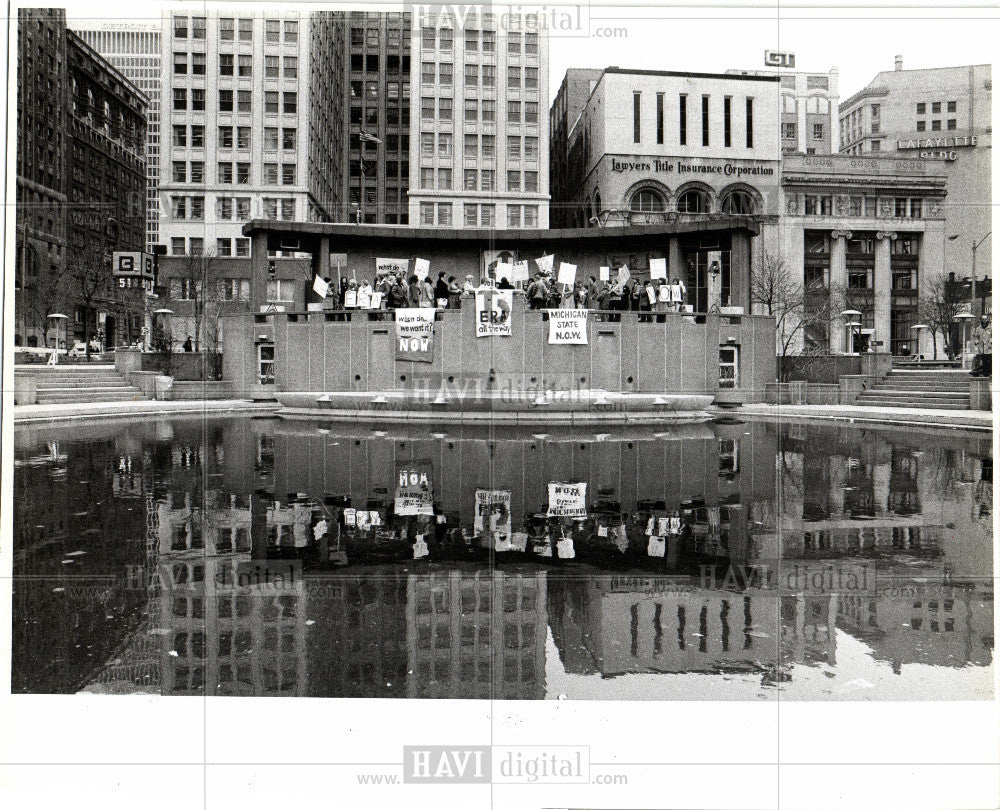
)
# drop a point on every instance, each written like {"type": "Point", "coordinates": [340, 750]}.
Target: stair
{"type": "Point", "coordinates": [72, 384]}
{"type": "Point", "coordinates": [936, 388]}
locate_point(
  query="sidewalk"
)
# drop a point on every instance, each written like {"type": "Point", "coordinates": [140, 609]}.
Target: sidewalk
{"type": "Point", "coordinates": [969, 420]}
{"type": "Point", "coordinates": [73, 411]}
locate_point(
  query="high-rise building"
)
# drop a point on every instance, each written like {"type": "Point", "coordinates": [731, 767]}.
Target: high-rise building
{"type": "Point", "coordinates": [134, 49]}
{"type": "Point", "coordinates": [809, 104]}
{"type": "Point", "coordinates": [41, 168]}
{"type": "Point", "coordinates": [941, 116]}
{"type": "Point", "coordinates": [376, 65]}
{"type": "Point", "coordinates": [576, 87]}
{"type": "Point", "coordinates": [479, 156]}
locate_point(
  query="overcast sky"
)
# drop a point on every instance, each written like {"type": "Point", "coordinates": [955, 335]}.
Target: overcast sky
{"type": "Point", "coordinates": [857, 38]}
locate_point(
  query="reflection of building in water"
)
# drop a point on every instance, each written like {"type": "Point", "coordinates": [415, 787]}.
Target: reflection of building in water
{"type": "Point", "coordinates": [222, 527]}
{"type": "Point", "coordinates": [915, 622]}
{"type": "Point", "coordinates": [809, 628]}
{"type": "Point", "coordinates": [616, 625]}
{"type": "Point", "coordinates": [476, 635]}
{"type": "Point", "coordinates": [357, 646]}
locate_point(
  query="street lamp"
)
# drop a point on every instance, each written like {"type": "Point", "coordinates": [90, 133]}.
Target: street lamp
{"type": "Point", "coordinates": [965, 318]}
{"type": "Point", "coordinates": [57, 317]}
{"type": "Point", "coordinates": [975, 245]}
{"type": "Point", "coordinates": [917, 327]}
{"type": "Point", "coordinates": [852, 319]}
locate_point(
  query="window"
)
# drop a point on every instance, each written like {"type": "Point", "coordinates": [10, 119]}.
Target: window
{"type": "Point", "coordinates": [513, 216]}
{"type": "Point", "coordinates": [936, 125]}
{"type": "Point", "coordinates": [234, 289]}
{"type": "Point", "coordinates": [471, 145]}
{"type": "Point", "coordinates": [444, 179]}
{"type": "Point", "coordinates": [488, 110]}
{"type": "Point", "coordinates": [246, 30]}
{"type": "Point", "coordinates": [952, 123]}
{"type": "Point", "coordinates": [513, 181]}
{"type": "Point", "coordinates": [855, 206]}
{"type": "Point", "coordinates": [272, 31]}
{"type": "Point", "coordinates": [647, 200]}
{"type": "Point", "coordinates": [291, 31]}
{"type": "Point", "coordinates": [789, 131]}
{"type": "Point", "coordinates": [513, 78]}
{"type": "Point", "coordinates": [242, 208]}
{"type": "Point", "coordinates": [224, 207]}
{"type": "Point", "coordinates": [180, 135]}
{"type": "Point", "coordinates": [514, 43]}
{"type": "Point", "coordinates": [184, 289]}
{"type": "Point", "coordinates": [198, 208]}
{"type": "Point", "coordinates": [245, 66]}
{"type": "Point", "coordinates": [471, 217]}
{"type": "Point", "coordinates": [738, 202]}
{"type": "Point", "coordinates": [445, 111]}
{"type": "Point", "coordinates": [531, 78]}
{"type": "Point", "coordinates": [225, 64]}
{"type": "Point", "coordinates": [197, 136]}
{"type": "Point", "coordinates": [279, 289]}
{"type": "Point", "coordinates": [197, 64]}
{"type": "Point", "coordinates": [530, 216]}
{"type": "Point", "coordinates": [180, 171]}
{"type": "Point", "coordinates": [225, 173]}
{"type": "Point", "coordinates": [288, 138]}
{"type": "Point", "coordinates": [287, 208]}
{"type": "Point", "coordinates": [177, 245]}
{"type": "Point", "coordinates": [444, 214]}
{"type": "Point", "coordinates": [426, 213]}
{"type": "Point", "coordinates": [427, 144]}
{"type": "Point", "coordinates": [729, 367]}
{"type": "Point", "coordinates": [659, 118]}
{"type": "Point", "coordinates": [426, 178]}
{"type": "Point", "coordinates": [471, 178]}
{"type": "Point", "coordinates": [198, 98]}
{"type": "Point", "coordinates": [704, 120]}
{"type": "Point", "coordinates": [514, 112]}
{"type": "Point", "coordinates": [514, 147]}
{"type": "Point", "coordinates": [471, 41]}
{"type": "Point", "coordinates": [487, 215]}
{"type": "Point", "coordinates": [936, 107]}
{"type": "Point", "coordinates": [427, 109]}
{"type": "Point", "coordinates": [180, 98]}
{"type": "Point", "coordinates": [225, 101]}
{"type": "Point", "coordinates": [427, 72]}
{"type": "Point", "coordinates": [444, 144]}
{"type": "Point", "coordinates": [530, 148]}
{"type": "Point", "coordinates": [180, 64]}
{"type": "Point", "coordinates": [727, 103]}
{"type": "Point", "coordinates": [427, 38]}
{"type": "Point", "coordinates": [749, 123]}
{"type": "Point", "coordinates": [242, 137]}
{"type": "Point", "coordinates": [489, 75]}
{"type": "Point", "coordinates": [489, 41]}
{"type": "Point", "coordinates": [289, 102]}
{"type": "Point", "coordinates": [243, 101]}
{"type": "Point", "coordinates": [471, 75]}
{"type": "Point", "coordinates": [531, 112]}
{"type": "Point", "coordinates": [243, 174]}
{"type": "Point", "coordinates": [271, 174]}
{"type": "Point", "coordinates": [486, 178]}
{"type": "Point", "coordinates": [921, 108]}
{"type": "Point", "coordinates": [921, 126]}
{"type": "Point", "coordinates": [445, 39]}
{"type": "Point", "coordinates": [693, 201]}
{"type": "Point", "coordinates": [288, 174]}
{"type": "Point", "coordinates": [178, 207]}
{"type": "Point", "coordinates": [531, 181]}
{"type": "Point", "coordinates": [197, 27]}
{"type": "Point", "coordinates": [817, 132]}
{"type": "Point", "coordinates": [180, 27]}
{"type": "Point", "coordinates": [682, 102]}
{"type": "Point", "coordinates": [227, 29]}
{"type": "Point", "coordinates": [531, 43]}
{"type": "Point", "coordinates": [876, 146]}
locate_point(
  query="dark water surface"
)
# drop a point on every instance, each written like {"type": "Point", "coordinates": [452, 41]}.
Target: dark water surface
{"type": "Point", "coordinates": [258, 557]}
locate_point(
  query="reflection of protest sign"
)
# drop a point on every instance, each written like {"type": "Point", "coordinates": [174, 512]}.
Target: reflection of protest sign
{"type": "Point", "coordinates": [568, 327]}
{"type": "Point", "coordinates": [604, 273]}
{"type": "Point", "coordinates": [385, 266]}
{"type": "Point", "coordinates": [657, 268]}
{"type": "Point", "coordinates": [567, 273]}
{"type": "Point", "coordinates": [415, 334]}
{"type": "Point", "coordinates": [493, 308]}
{"type": "Point", "coordinates": [493, 515]}
{"type": "Point", "coordinates": [421, 268]}
{"type": "Point", "coordinates": [520, 272]}
{"type": "Point", "coordinates": [567, 500]}
{"type": "Point", "coordinates": [414, 493]}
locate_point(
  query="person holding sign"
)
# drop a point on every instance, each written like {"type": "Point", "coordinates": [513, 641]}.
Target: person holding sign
{"type": "Point", "coordinates": [677, 293]}
{"type": "Point", "coordinates": [663, 296]}
{"type": "Point", "coordinates": [365, 294]}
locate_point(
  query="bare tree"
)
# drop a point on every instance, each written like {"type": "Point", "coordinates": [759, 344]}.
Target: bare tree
{"type": "Point", "coordinates": [91, 272]}
{"type": "Point", "coordinates": [775, 291]}
{"type": "Point", "coordinates": [196, 270]}
{"type": "Point", "coordinates": [940, 302]}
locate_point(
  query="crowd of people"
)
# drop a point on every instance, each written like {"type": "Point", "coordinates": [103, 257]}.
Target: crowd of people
{"type": "Point", "coordinates": [542, 291]}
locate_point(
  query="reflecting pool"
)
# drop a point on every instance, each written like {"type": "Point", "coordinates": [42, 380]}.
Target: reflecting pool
{"type": "Point", "coordinates": [726, 560]}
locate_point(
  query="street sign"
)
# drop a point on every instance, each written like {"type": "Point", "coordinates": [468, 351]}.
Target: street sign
{"type": "Point", "coordinates": [779, 59]}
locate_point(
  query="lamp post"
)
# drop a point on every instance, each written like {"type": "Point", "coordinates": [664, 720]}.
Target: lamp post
{"type": "Point", "coordinates": [965, 318]}
{"type": "Point", "coordinates": [917, 327]}
{"type": "Point", "coordinates": [975, 245]}
{"type": "Point", "coordinates": [852, 319]}
{"type": "Point", "coordinates": [57, 317]}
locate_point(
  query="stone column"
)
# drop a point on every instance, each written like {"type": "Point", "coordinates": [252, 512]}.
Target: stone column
{"type": "Point", "coordinates": [258, 271]}
{"type": "Point", "coordinates": [675, 264]}
{"type": "Point", "coordinates": [739, 271]}
{"type": "Point", "coordinates": [883, 288]}
{"type": "Point", "coordinates": [838, 282]}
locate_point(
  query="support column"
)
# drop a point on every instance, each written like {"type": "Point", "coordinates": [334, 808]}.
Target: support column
{"type": "Point", "coordinates": [883, 288]}
{"type": "Point", "coordinates": [320, 266]}
{"type": "Point", "coordinates": [258, 271]}
{"type": "Point", "coordinates": [739, 271]}
{"type": "Point", "coordinates": [838, 283]}
{"type": "Point", "coordinates": [675, 264]}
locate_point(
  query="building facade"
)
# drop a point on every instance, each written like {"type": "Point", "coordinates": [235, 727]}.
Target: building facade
{"type": "Point", "coordinates": [576, 87]}
{"type": "Point", "coordinates": [134, 49]}
{"type": "Point", "coordinates": [861, 235]}
{"type": "Point", "coordinates": [809, 104]}
{"type": "Point", "coordinates": [375, 49]}
{"type": "Point", "coordinates": [479, 152]}
{"type": "Point", "coordinates": [941, 116]}
{"type": "Point", "coordinates": [41, 172]}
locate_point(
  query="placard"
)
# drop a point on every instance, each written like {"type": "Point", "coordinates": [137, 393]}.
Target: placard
{"type": "Point", "coordinates": [364, 299]}
{"type": "Point", "coordinates": [421, 268]}
{"type": "Point", "coordinates": [414, 493]}
{"type": "Point", "coordinates": [657, 268]}
{"type": "Point", "coordinates": [545, 263]}
{"type": "Point", "coordinates": [376, 300]}
{"type": "Point", "coordinates": [415, 334]}
{"type": "Point", "coordinates": [385, 266]}
{"type": "Point", "coordinates": [567, 500]}
{"type": "Point", "coordinates": [623, 273]}
{"type": "Point", "coordinates": [504, 270]}
{"type": "Point", "coordinates": [604, 274]}
{"type": "Point", "coordinates": [520, 272]}
{"type": "Point", "coordinates": [320, 287]}
{"type": "Point", "coordinates": [567, 273]}
{"type": "Point", "coordinates": [350, 299]}
{"type": "Point", "coordinates": [568, 327]}
{"type": "Point", "coordinates": [493, 308]}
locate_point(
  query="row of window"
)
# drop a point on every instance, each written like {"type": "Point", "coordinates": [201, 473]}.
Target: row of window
{"type": "Point", "coordinates": [443, 39]}
{"type": "Point", "coordinates": [518, 216]}
{"type": "Point", "coordinates": [952, 123]}
{"type": "Point", "coordinates": [241, 102]}
{"type": "Point", "coordinates": [478, 145]}
{"type": "Point", "coordinates": [229, 27]}
{"type": "Point", "coordinates": [372, 38]}
{"type": "Point", "coordinates": [790, 131]}
{"type": "Point", "coordinates": [443, 73]}
{"type": "Point", "coordinates": [369, 90]}
{"type": "Point", "coordinates": [682, 119]}
{"type": "Point", "coordinates": [819, 105]}
{"type": "Point", "coordinates": [935, 107]}
{"type": "Point", "coordinates": [195, 246]}
{"type": "Point", "coordinates": [226, 289]}
{"type": "Point", "coordinates": [228, 172]}
{"type": "Point", "coordinates": [479, 110]}
{"type": "Point", "coordinates": [475, 180]}
{"type": "Point", "coordinates": [240, 65]}
{"type": "Point", "coordinates": [903, 207]}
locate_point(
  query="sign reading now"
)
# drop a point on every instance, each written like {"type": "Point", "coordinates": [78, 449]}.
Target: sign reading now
{"type": "Point", "coordinates": [500, 764]}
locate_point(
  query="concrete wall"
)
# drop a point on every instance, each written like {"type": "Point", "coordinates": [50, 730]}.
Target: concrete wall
{"type": "Point", "coordinates": [314, 352]}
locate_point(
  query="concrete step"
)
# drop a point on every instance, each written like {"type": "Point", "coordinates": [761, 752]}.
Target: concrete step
{"type": "Point", "coordinates": [920, 385]}
{"type": "Point", "coordinates": [902, 392]}
{"type": "Point", "coordinates": [911, 402]}
{"type": "Point", "coordinates": [111, 382]}
{"type": "Point", "coordinates": [941, 406]}
{"type": "Point", "coordinates": [50, 399]}
{"type": "Point", "coordinates": [90, 389]}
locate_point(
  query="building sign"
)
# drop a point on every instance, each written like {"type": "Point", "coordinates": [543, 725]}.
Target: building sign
{"type": "Point", "coordinates": [493, 308]}
{"type": "Point", "coordinates": [940, 148]}
{"type": "Point", "coordinates": [134, 270]}
{"type": "Point", "coordinates": [567, 500]}
{"type": "Point", "coordinates": [414, 493]}
{"type": "Point", "coordinates": [684, 167]}
{"type": "Point", "coordinates": [783, 59]}
{"type": "Point", "coordinates": [568, 327]}
{"type": "Point", "coordinates": [415, 334]}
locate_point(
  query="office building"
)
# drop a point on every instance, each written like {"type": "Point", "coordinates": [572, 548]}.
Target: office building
{"type": "Point", "coordinates": [941, 116]}
{"type": "Point", "coordinates": [375, 47]}
{"type": "Point", "coordinates": [134, 49]}
{"type": "Point", "coordinates": [479, 152]}
{"type": "Point", "coordinates": [576, 87]}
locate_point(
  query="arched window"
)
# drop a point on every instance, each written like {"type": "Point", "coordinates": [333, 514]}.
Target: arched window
{"type": "Point", "coordinates": [597, 202]}
{"type": "Point", "coordinates": [693, 201]}
{"type": "Point", "coordinates": [647, 200]}
{"type": "Point", "coordinates": [738, 202]}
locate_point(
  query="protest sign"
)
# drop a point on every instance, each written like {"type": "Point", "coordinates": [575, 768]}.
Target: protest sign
{"type": "Point", "coordinates": [320, 287]}
{"type": "Point", "coordinates": [604, 273]}
{"type": "Point", "coordinates": [493, 515]}
{"type": "Point", "coordinates": [567, 273]}
{"type": "Point", "coordinates": [493, 308]}
{"type": "Point", "coordinates": [520, 272]}
{"type": "Point", "coordinates": [350, 299]}
{"type": "Point", "coordinates": [545, 263]}
{"type": "Point", "coordinates": [504, 270]}
{"type": "Point", "coordinates": [623, 273]}
{"type": "Point", "coordinates": [657, 268]}
{"type": "Point", "coordinates": [421, 268]}
{"type": "Point", "coordinates": [376, 300]}
{"type": "Point", "coordinates": [568, 327]}
{"type": "Point", "coordinates": [415, 334]}
{"type": "Point", "coordinates": [364, 299]}
{"type": "Point", "coordinates": [385, 266]}
{"type": "Point", "coordinates": [568, 500]}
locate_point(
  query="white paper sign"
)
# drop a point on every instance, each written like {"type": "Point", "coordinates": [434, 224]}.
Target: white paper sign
{"type": "Point", "coordinates": [320, 287]}
{"type": "Point", "coordinates": [421, 268]}
{"type": "Point", "coordinates": [504, 270]}
{"type": "Point", "coordinates": [605, 274]}
{"type": "Point", "coordinates": [623, 273]}
{"type": "Point", "coordinates": [350, 299]}
{"type": "Point", "coordinates": [568, 327]}
{"type": "Point", "coordinates": [657, 268]}
{"type": "Point", "coordinates": [364, 300]}
{"type": "Point", "coordinates": [567, 273]}
{"type": "Point", "coordinates": [386, 266]}
{"type": "Point", "coordinates": [545, 263]}
{"type": "Point", "coordinates": [568, 500]}
{"type": "Point", "coordinates": [520, 272]}
{"type": "Point", "coordinates": [493, 309]}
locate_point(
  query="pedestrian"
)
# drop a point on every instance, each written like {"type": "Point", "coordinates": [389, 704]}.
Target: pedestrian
{"type": "Point", "coordinates": [187, 345]}
{"type": "Point", "coordinates": [982, 345]}
{"type": "Point", "coordinates": [537, 293]}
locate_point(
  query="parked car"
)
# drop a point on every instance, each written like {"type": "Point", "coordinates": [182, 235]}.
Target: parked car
{"type": "Point", "coordinates": [79, 348]}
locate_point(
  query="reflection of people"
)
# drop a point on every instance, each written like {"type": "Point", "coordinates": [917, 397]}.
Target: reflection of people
{"type": "Point", "coordinates": [982, 345]}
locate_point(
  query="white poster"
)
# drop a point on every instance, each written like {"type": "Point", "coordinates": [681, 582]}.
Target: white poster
{"type": "Point", "coordinates": [623, 273]}
{"type": "Point", "coordinates": [520, 272]}
{"type": "Point", "coordinates": [504, 270]}
{"type": "Point", "coordinates": [385, 266]}
{"type": "Point", "coordinates": [350, 299]}
{"type": "Point", "coordinates": [568, 500]}
{"type": "Point", "coordinates": [320, 287]}
{"type": "Point", "coordinates": [657, 268]}
{"type": "Point", "coordinates": [421, 268]}
{"type": "Point", "coordinates": [568, 327]}
{"type": "Point", "coordinates": [414, 493]}
{"type": "Point", "coordinates": [493, 308]}
{"type": "Point", "coordinates": [604, 273]}
{"type": "Point", "coordinates": [567, 273]}
{"type": "Point", "coordinates": [364, 299]}
{"type": "Point", "coordinates": [545, 263]}
{"type": "Point", "coordinates": [415, 334]}
{"type": "Point", "coordinates": [493, 516]}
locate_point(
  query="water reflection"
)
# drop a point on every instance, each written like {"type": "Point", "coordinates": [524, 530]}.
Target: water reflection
{"type": "Point", "coordinates": [254, 557]}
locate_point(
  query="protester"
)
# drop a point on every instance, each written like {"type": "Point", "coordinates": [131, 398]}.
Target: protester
{"type": "Point", "coordinates": [454, 293]}
{"type": "Point", "coordinates": [504, 284]}
{"type": "Point", "coordinates": [341, 292]}
{"type": "Point", "coordinates": [187, 345]}
{"type": "Point", "coordinates": [537, 293]}
{"type": "Point", "coordinates": [441, 290]}
{"type": "Point", "coordinates": [469, 287]}
{"type": "Point", "coordinates": [982, 345]}
{"type": "Point", "coordinates": [399, 297]}
{"type": "Point", "coordinates": [426, 293]}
